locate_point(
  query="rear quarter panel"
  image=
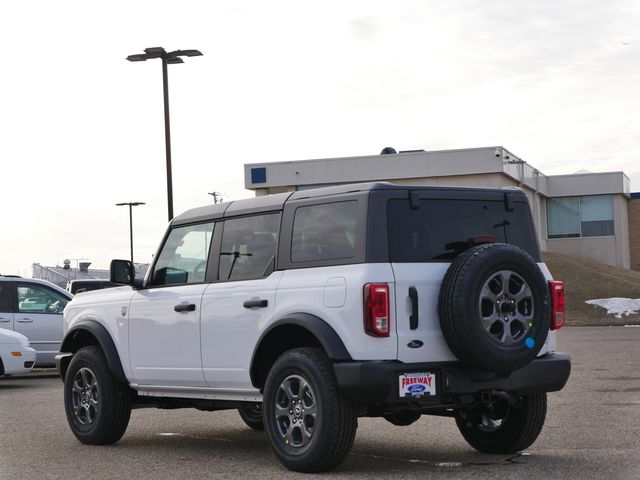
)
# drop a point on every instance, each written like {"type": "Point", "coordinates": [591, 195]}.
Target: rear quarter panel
{"type": "Point", "coordinates": [335, 294]}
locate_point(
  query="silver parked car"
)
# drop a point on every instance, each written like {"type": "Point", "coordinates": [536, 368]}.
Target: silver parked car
{"type": "Point", "coordinates": [34, 308]}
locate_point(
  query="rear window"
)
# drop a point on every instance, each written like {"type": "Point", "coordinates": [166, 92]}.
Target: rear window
{"type": "Point", "coordinates": [439, 230]}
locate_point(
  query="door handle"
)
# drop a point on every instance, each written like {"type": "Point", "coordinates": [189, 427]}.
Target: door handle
{"type": "Point", "coordinates": [413, 318]}
{"type": "Point", "coordinates": [25, 320]}
{"type": "Point", "coordinates": [4, 320]}
{"type": "Point", "coordinates": [185, 307]}
{"type": "Point", "coordinates": [260, 303]}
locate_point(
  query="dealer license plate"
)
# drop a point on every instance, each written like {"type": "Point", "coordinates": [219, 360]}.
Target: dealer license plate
{"type": "Point", "coordinates": [416, 385]}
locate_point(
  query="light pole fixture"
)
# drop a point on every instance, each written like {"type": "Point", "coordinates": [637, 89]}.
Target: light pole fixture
{"type": "Point", "coordinates": [217, 197]}
{"type": "Point", "coordinates": [131, 205]}
{"type": "Point", "coordinates": [166, 57]}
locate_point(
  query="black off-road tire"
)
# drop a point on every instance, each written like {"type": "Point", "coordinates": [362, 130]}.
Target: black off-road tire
{"type": "Point", "coordinates": [252, 416]}
{"type": "Point", "coordinates": [459, 308]}
{"type": "Point", "coordinates": [520, 427]}
{"type": "Point", "coordinates": [336, 418]}
{"type": "Point", "coordinates": [108, 420]}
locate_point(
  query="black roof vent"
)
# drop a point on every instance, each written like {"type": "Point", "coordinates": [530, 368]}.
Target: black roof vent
{"type": "Point", "coordinates": [388, 151]}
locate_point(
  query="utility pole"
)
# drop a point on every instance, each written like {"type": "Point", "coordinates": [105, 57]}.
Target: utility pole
{"type": "Point", "coordinates": [217, 198]}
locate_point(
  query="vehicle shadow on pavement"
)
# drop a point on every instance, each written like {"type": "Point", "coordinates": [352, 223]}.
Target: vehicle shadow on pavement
{"type": "Point", "coordinates": [16, 382]}
{"type": "Point", "coordinates": [251, 449]}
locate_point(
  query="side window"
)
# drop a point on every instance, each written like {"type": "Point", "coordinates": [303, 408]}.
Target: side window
{"type": "Point", "coordinates": [249, 247]}
{"type": "Point", "coordinates": [184, 256]}
{"type": "Point", "coordinates": [324, 232]}
{"type": "Point", "coordinates": [40, 299]}
{"type": "Point", "coordinates": [5, 297]}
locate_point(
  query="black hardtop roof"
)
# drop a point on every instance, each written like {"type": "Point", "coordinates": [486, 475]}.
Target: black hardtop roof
{"type": "Point", "coordinates": [269, 203]}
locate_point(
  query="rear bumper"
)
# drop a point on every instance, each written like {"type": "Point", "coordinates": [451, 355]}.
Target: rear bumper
{"type": "Point", "coordinates": [376, 382]}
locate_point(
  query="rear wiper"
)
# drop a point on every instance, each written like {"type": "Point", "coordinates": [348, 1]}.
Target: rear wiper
{"type": "Point", "coordinates": [504, 224]}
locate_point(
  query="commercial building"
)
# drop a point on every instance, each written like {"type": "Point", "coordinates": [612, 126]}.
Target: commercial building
{"type": "Point", "coordinates": [585, 214]}
{"type": "Point", "coordinates": [62, 275]}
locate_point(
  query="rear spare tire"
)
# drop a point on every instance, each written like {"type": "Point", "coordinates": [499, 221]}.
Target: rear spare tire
{"type": "Point", "coordinates": [494, 308]}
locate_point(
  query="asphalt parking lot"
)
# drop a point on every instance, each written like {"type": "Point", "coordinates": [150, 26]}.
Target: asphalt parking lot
{"type": "Point", "coordinates": [592, 432]}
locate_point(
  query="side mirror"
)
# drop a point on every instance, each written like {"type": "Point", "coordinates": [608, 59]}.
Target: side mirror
{"type": "Point", "coordinates": [122, 272]}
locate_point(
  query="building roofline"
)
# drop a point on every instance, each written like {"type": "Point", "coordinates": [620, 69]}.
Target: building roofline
{"type": "Point", "coordinates": [376, 155]}
{"type": "Point", "coordinates": [588, 173]}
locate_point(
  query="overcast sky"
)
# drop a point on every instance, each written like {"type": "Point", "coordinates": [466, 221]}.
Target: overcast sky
{"type": "Point", "coordinates": [556, 82]}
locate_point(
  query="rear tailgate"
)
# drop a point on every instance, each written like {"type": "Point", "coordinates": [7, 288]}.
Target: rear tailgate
{"type": "Point", "coordinates": [425, 233]}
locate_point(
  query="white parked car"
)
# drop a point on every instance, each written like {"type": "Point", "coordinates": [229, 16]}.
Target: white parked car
{"type": "Point", "coordinates": [34, 308]}
{"type": "Point", "coordinates": [16, 356]}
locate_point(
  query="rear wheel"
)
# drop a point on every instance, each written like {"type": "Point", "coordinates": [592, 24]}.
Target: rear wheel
{"type": "Point", "coordinates": [503, 427]}
{"type": "Point", "coordinates": [98, 407]}
{"type": "Point", "coordinates": [252, 416]}
{"type": "Point", "coordinates": [310, 424]}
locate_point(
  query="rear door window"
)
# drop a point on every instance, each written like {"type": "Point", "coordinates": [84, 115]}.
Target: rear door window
{"type": "Point", "coordinates": [249, 246]}
{"type": "Point", "coordinates": [439, 230]}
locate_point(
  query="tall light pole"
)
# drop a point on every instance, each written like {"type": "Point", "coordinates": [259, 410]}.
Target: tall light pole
{"type": "Point", "coordinates": [166, 57]}
{"type": "Point", "coordinates": [131, 205]}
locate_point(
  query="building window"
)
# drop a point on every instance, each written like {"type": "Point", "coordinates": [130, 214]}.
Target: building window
{"type": "Point", "coordinates": [586, 216]}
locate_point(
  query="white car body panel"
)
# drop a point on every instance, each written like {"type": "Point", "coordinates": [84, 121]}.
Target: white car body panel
{"type": "Point", "coordinates": [230, 331]}
{"type": "Point", "coordinates": [104, 307]}
{"type": "Point", "coordinates": [15, 342]}
{"type": "Point", "coordinates": [164, 345]}
{"type": "Point", "coordinates": [426, 278]}
{"type": "Point", "coordinates": [307, 290]}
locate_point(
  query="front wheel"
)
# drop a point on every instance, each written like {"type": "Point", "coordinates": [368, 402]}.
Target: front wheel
{"type": "Point", "coordinates": [503, 427]}
{"type": "Point", "coordinates": [98, 407]}
{"type": "Point", "coordinates": [310, 424]}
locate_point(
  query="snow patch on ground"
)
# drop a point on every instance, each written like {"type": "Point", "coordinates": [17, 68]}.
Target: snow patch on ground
{"type": "Point", "coordinates": [618, 306]}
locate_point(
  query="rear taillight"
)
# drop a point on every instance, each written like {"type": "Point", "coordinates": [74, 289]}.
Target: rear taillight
{"type": "Point", "coordinates": [557, 304]}
{"type": "Point", "coordinates": [376, 309]}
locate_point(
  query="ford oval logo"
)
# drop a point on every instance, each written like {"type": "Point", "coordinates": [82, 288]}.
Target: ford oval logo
{"type": "Point", "coordinates": [415, 344]}
{"type": "Point", "coordinates": [417, 388]}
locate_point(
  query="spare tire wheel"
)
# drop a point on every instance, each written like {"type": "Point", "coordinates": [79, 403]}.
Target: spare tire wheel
{"type": "Point", "coordinates": [494, 308]}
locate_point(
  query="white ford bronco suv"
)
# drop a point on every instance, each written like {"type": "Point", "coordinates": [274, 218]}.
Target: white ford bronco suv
{"type": "Point", "coordinates": [307, 310]}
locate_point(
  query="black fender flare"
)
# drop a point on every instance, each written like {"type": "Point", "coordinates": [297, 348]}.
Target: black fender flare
{"type": "Point", "coordinates": [326, 335]}
{"type": "Point", "coordinates": [105, 342]}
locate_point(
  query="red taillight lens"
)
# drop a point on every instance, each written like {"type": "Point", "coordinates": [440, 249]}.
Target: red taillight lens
{"type": "Point", "coordinates": [376, 309]}
{"type": "Point", "coordinates": [557, 304]}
